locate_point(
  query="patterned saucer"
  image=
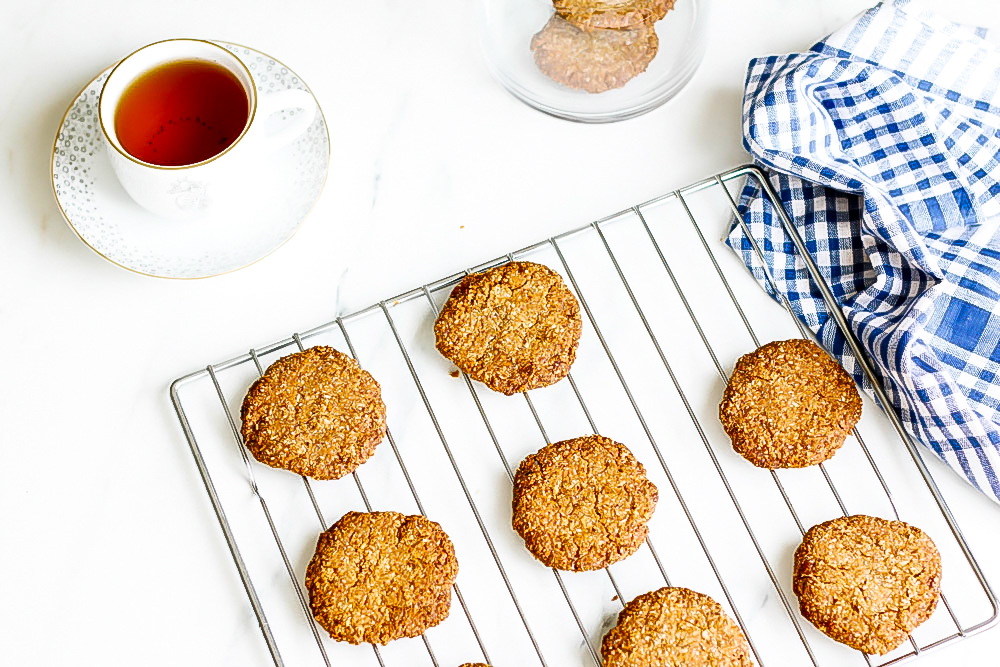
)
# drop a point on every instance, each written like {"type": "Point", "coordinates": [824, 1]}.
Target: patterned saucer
{"type": "Point", "coordinates": [105, 218]}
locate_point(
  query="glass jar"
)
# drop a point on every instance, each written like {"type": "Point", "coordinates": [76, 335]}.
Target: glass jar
{"type": "Point", "coordinates": [592, 74]}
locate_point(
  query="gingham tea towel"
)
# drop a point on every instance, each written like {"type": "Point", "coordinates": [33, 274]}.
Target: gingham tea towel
{"type": "Point", "coordinates": [883, 142]}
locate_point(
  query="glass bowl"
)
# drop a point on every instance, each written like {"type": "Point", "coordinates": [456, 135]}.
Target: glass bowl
{"type": "Point", "coordinates": [507, 28]}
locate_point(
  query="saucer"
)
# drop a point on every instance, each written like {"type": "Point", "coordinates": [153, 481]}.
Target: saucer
{"type": "Point", "coordinates": [97, 208]}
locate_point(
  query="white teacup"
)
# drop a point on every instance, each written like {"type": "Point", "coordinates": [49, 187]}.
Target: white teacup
{"type": "Point", "coordinates": [202, 188]}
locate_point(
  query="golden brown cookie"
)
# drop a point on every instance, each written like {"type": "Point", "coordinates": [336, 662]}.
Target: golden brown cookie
{"type": "Point", "coordinates": [595, 60]}
{"type": "Point", "coordinates": [604, 14]}
{"type": "Point", "coordinates": [315, 412]}
{"type": "Point", "coordinates": [867, 582]}
{"type": "Point", "coordinates": [582, 504]}
{"type": "Point", "coordinates": [514, 327]}
{"type": "Point", "coordinates": [675, 626]}
{"type": "Point", "coordinates": [788, 404]}
{"type": "Point", "coordinates": [474, 664]}
{"type": "Point", "coordinates": [379, 576]}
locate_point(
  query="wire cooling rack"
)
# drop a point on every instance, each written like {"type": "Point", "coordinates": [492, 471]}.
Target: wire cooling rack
{"type": "Point", "coordinates": [668, 310]}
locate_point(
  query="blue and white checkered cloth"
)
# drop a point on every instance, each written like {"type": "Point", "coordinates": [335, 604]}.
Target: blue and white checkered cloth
{"type": "Point", "coordinates": [884, 144]}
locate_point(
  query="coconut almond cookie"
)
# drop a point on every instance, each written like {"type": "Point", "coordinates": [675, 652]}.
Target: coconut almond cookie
{"type": "Point", "coordinates": [789, 404]}
{"type": "Point", "coordinates": [513, 328]}
{"type": "Point", "coordinates": [315, 412]}
{"type": "Point", "coordinates": [593, 60]}
{"type": "Point", "coordinates": [867, 582]}
{"type": "Point", "coordinates": [604, 14]}
{"type": "Point", "coordinates": [675, 627]}
{"type": "Point", "coordinates": [582, 504]}
{"type": "Point", "coordinates": [379, 576]}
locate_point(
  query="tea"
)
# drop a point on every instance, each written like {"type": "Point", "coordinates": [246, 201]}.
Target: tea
{"type": "Point", "coordinates": [181, 113]}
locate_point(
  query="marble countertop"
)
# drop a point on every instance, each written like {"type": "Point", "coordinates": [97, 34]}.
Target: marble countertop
{"type": "Point", "coordinates": [111, 553]}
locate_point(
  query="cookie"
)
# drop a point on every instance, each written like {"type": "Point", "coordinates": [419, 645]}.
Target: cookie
{"type": "Point", "coordinates": [514, 327]}
{"type": "Point", "coordinates": [789, 404]}
{"type": "Point", "coordinates": [615, 14]}
{"type": "Point", "coordinates": [593, 60]}
{"type": "Point", "coordinates": [582, 504]}
{"type": "Point", "coordinates": [315, 412]}
{"type": "Point", "coordinates": [867, 582]}
{"type": "Point", "coordinates": [675, 626]}
{"type": "Point", "coordinates": [379, 576]}
{"type": "Point", "coordinates": [474, 664]}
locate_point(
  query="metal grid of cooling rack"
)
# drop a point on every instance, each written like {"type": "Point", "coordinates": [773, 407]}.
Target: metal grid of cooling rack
{"type": "Point", "coordinates": [653, 359]}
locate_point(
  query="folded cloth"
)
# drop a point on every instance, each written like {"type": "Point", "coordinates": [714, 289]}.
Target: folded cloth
{"type": "Point", "coordinates": [883, 143]}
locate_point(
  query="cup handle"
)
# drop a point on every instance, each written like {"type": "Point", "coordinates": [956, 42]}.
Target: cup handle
{"type": "Point", "coordinates": [283, 100]}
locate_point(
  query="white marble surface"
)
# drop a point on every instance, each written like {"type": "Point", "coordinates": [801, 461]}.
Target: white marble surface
{"type": "Point", "coordinates": [110, 553]}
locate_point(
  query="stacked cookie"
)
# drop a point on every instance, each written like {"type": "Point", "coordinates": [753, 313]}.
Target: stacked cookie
{"type": "Point", "coordinates": [584, 503]}
{"type": "Point", "coordinates": [598, 45]}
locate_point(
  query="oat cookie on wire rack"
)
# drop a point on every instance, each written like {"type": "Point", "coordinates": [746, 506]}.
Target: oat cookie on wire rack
{"type": "Point", "coordinates": [675, 626]}
{"type": "Point", "coordinates": [788, 404]}
{"type": "Point", "coordinates": [514, 327]}
{"type": "Point", "coordinates": [582, 504]}
{"type": "Point", "coordinates": [380, 576]}
{"type": "Point", "coordinates": [867, 582]}
{"type": "Point", "coordinates": [316, 412]}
